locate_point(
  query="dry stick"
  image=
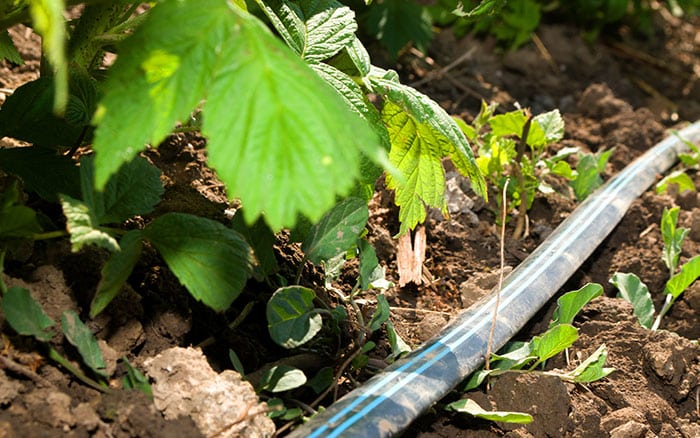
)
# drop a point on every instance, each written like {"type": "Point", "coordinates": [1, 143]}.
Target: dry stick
{"type": "Point", "coordinates": [500, 277]}
{"type": "Point", "coordinates": [438, 73]}
{"type": "Point", "coordinates": [544, 52]}
{"type": "Point", "coordinates": [521, 227]}
{"type": "Point", "coordinates": [24, 371]}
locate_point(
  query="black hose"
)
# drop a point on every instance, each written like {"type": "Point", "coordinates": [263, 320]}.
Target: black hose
{"type": "Point", "coordinates": [386, 404]}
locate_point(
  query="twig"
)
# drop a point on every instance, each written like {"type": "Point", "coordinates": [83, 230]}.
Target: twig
{"type": "Point", "coordinates": [500, 276]}
{"type": "Point", "coordinates": [522, 226]}
{"type": "Point", "coordinates": [25, 371]}
{"type": "Point", "coordinates": [411, 309]}
{"type": "Point", "coordinates": [544, 52]}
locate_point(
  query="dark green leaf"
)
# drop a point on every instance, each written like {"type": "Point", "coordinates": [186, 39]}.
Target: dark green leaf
{"type": "Point", "coordinates": [634, 291]}
{"type": "Point", "coordinates": [236, 362]}
{"type": "Point", "coordinates": [116, 271]}
{"type": "Point", "coordinates": [8, 50]}
{"type": "Point", "coordinates": [322, 380]}
{"type": "Point", "coordinates": [569, 304]}
{"type": "Point", "coordinates": [261, 239]}
{"type": "Point", "coordinates": [337, 231]}
{"type": "Point", "coordinates": [16, 221]}
{"type": "Point", "coordinates": [398, 22]}
{"type": "Point", "coordinates": [31, 163]}
{"type": "Point", "coordinates": [368, 263]}
{"type": "Point", "coordinates": [291, 317]}
{"type": "Point", "coordinates": [212, 261]}
{"type": "Point", "coordinates": [381, 314]}
{"type": "Point", "coordinates": [80, 336]}
{"type": "Point", "coordinates": [25, 315]}
{"type": "Point", "coordinates": [134, 379]}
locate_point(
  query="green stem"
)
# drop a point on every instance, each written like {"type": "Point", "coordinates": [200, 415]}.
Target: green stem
{"type": "Point", "coordinates": [56, 356]}
{"type": "Point", "coordinates": [50, 235]}
{"type": "Point", "coordinates": [3, 286]}
{"type": "Point", "coordinates": [664, 310]}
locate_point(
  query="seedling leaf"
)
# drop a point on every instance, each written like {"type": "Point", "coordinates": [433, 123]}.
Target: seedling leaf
{"type": "Point", "coordinates": [470, 407]}
{"type": "Point", "coordinates": [381, 314]}
{"type": "Point", "coordinates": [290, 131]}
{"type": "Point", "coordinates": [398, 345]}
{"type": "Point", "coordinates": [8, 50]}
{"type": "Point", "coordinates": [84, 226]}
{"type": "Point", "coordinates": [80, 336]}
{"type": "Point", "coordinates": [25, 315]}
{"type": "Point", "coordinates": [636, 292]}
{"type": "Point", "coordinates": [552, 125]}
{"type": "Point", "coordinates": [134, 379]}
{"type": "Point", "coordinates": [673, 238]}
{"type": "Point", "coordinates": [690, 272]}
{"type": "Point", "coordinates": [337, 231]}
{"type": "Point", "coordinates": [282, 378]}
{"type": "Point", "coordinates": [292, 319]}
{"type": "Point", "coordinates": [678, 177]}
{"type": "Point", "coordinates": [571, 303]}
{"type": "Point", "coordinates": [213, 262]}
{"type": "Point", "coordinates": [592, 369]}
{"type": "Point", "coordinates": [553, 341]}
{"type": "Point", "coordinates": [116, 271]}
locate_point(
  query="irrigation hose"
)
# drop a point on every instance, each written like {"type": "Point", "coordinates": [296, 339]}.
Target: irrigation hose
{"type": "Point", "coordinates": [388, 403]}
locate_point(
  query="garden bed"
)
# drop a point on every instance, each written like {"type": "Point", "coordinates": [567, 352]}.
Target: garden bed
{"type": "Point", "coordinates": [621, 93]}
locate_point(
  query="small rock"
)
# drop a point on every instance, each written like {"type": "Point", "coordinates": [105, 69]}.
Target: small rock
{"type": "Point", "coordinates": [110, 356]}
{"type": "Point", "coordinates": [86, 416]}
{"type": "Point", "coordinates": [51, 407]}
{"type": "Point", "coordinates": [694, 232]}
{"type": "Point", "coordinates": [9, 389]}
{"type": "Point", "coordinates": [621, 416]}
{"type": "Point", "coordinates": [631, 429]}
{"type": "Point", "coordinates": [687, 200]}
{"type": "Point", "coordinates": [692, 296]}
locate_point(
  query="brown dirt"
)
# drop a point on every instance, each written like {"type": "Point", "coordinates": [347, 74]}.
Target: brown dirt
{"type": "Point", "coordinates": [621, 93]}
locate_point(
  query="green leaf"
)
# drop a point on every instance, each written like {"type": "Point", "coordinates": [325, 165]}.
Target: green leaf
{"type": "Point", "coordinates": [690, 272]}
{"type": "Point", "coordinates": [592, 369]}
{"type": "Point", "coordinates": [29, 107]}
{"type": "Point", "coordinates": [398, 345]}
{"type": "Point", "coordinates": [368, 264]}
{"type": "Point", "coordinates": [261, 239]}
{"type": "Point", "coordinates": [83, 226]}
{"type": "Point", "coordinates": [31, 163]}
{"type": "Point", "coordinates": [213, 262]}
{"type": "Point", "coordinates": [116, 271]}
{"type": "Point", "coordinates": [381, 314]}
{"type": "Point", "coordinates": [571, 303]}
{"type": "Point", "coordinates": [282, 378]}
{"type": "Point", "coordinates": [552, 124]}
{"type": "Point", "coordinates": [322, 380]}
{"type": "Point", "coordinates": [25, 315]}
{"type": "Point", "coordinates": [512, 123]}
{"type": "Point", "coordinates": [134, 190]}
{"type": "Point", "coordinates": [80, 336]}
{"type": "Point", "coordinates": [397, 22]}
{"type": "Point", "coordinates": [421, 135]}
{"type": "Point", "coordinates": [337, 231]}
{"type": "Point", "coordinates": [134, 379]}
{"type": "Point", "coordinates": [290, 146]}
{"type": "Point", "coordinates": [673, 238]}
{"type": "Point", "coordinates": [589, 170]}
{"type": "Point", "coordinates": [553, 341]}
{"type": "Point", "coordinates": [636, 292]}
{"type": "Point", "coordinates": [292, 319]}
{"type": "Point", "coordinates": [48, 21]}
{"type": "Point", "coordinates": [468, 406]}
{"type": "Point", "coordinates": [8, 50]}
{"type": "Point", "coordinates": [678, 177]}
{"type": "Point", "coordinates": [236, 362]}
{"type": "Point", "coordinates": [16, 221]}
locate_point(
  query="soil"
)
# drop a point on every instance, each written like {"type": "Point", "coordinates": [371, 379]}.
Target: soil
{"type": "Point", "coordinates": [622, 92]}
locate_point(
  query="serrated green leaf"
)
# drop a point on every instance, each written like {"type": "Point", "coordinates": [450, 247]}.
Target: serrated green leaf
{"type": "Point", "coordinates": [678, 177]}
{"type": "Point", "coordinates": [381, 314]}
{"type": "Point", "coordinates": [25, 315]}
{"type": "Point", "coordinates": [636, 292]}
{"type": "Point", "coordinates": [571, 303]}
{"type": "Point", "coordinates": [337, 231]}
{"type": "Point", "coordinates": [8, 50]}
{"type": "Point", "coordinates": [116, 271]}
{"type": "Point", "coordinates": [468, 406]}
{"type": "Point", "coordinates": [47, 20]}
{"type": "Point", "coordinates": [30, 107]}
{"type": "Point", "coordinates": [690, 272]}
{"type": "Point", "coordinates": [83, 226]}
{"type": "Point", "coordinates": [134, 190]}
{"type": "Point", "coordinates": [212, 261]}
{"type": "Point", "coordinates": [290, 147]}
{"type": "Point", "coordinates": [134, 379]}
{"type": "Point", "coordinates": [552, 124]}
{"type": "Point", "coordinates": [292, 319]}
{"type": "Point", "coordinates": [80, 336]}
{"type": "Point", "coordinates": [553, 341]}
{"type": "Point", "coordinates": [282, 378]}
{"type": "Point", "coordinates": [593, 368]}
{"type": "Point", "coordinates": [31, 163]}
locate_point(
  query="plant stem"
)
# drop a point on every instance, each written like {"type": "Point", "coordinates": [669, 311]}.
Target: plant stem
{"type": "Point", "coordinates": [500, 276]}
{"type": "Point", "coordinates": [50, 235]}
{"type": "Point", "coordinates": [57, 357]}
{"type": "Point", "coordinates": [521, 226]}
{"type": "Point", "coordinates": [664, 310]}
{"type": "Point", "coordinates": [3, 286]}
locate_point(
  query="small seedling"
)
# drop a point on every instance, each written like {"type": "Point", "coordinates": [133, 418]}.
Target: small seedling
{"type": "Point", "coordinates": [632, 289]}
{"type": "Point", "coordinates": [689, 160]}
